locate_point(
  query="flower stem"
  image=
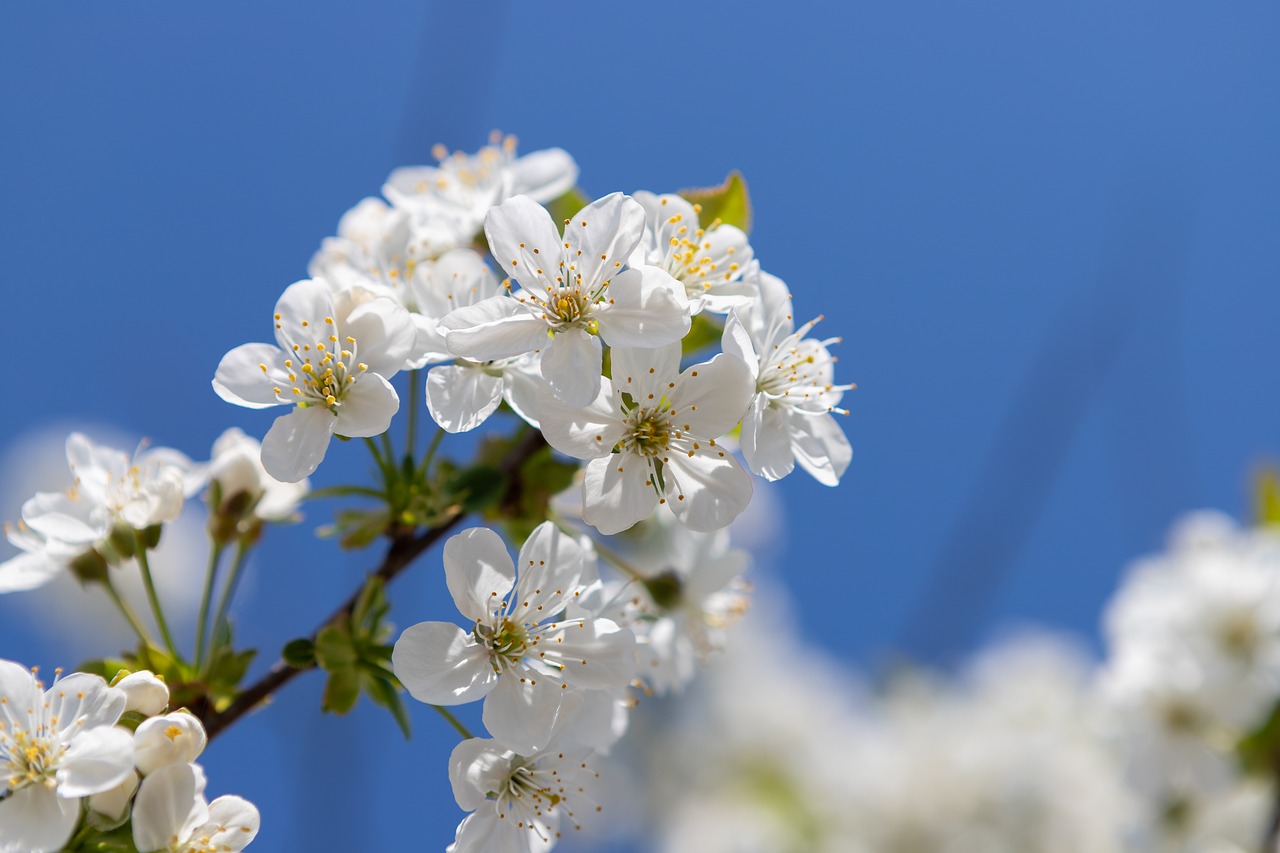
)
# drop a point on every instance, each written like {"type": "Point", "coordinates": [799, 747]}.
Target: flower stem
{"type": "Point", "coordinates": [387, 473]}
{"type": "Point", "coordinates": [411, 438]}
{"type": "Point", "coordinates": [229, 590]}
{"type": "Point", "coordinates": [454, 721]}
{"type": "Point", "coordinates": [202, 623]}
{"type": "Point", "coordinates": [127, 611]}
{"type": "Point", "coordinates": [431, 450]}
{"type": "Point", "coordinates": [147, 581]}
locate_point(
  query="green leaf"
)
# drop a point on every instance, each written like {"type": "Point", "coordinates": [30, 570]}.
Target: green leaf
{"type": "Point", "coordinates": [705, 331]}
{"type": "Point", "coordinates": [334, 648]}
{"type": "Point", "coordinates": [730, 203]}
{"type": "Point", "coordinates": [299, 653]}
{"type": "Point", "coordinates": [358, 528]}
{"type": "Point", "coordinates": [227, 668]}
{"type": "Point", "coordinates": [384, 693]}
{"type": "Point", "coordinates": [341, 691]}
{"type": "Point", "coordinates": [1266, 497]}
{"type": "Point", "coordinates": [477, 488]}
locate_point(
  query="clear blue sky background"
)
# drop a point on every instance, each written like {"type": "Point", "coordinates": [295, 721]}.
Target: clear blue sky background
{"type": "Point", "coordinates": [1047, 233]}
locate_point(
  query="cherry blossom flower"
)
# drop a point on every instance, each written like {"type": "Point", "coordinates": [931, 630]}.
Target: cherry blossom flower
{"type": "Point", "coordinates": [111, 488]}
{"type": "Point", "coordinates": [57, 746]}
{"type": "Point", "coordinates": [462, 395]}
{"type": "Point", "coordinates": [518, 802]}
{"type": "Point", "coordinates": [237, 468]}
{"type": "Point", "coordinates": [652, 434]}
{"type": "Point", "coordinates": [710, 262]}
{"type": "Point", "coordinates": [331, 362]}
{"type": "Point", "coordinates": [521, 654]}
{"type": "Point", "coordinates": [790, 416]}
{"type": "Point", "coordinates": [573, 292]}
{"type": "Point", "coordinates": [171, 815]}
{"type": "Point", "coordinates": [463, 187]}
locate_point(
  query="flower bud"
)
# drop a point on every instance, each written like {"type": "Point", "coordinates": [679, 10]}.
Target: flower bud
{"type": "Point", "coordinates": [176, 738]}
{"type": "Point", "coordinates": [144, 692]}
{"type": "Point", "coordinates": [114, 803]}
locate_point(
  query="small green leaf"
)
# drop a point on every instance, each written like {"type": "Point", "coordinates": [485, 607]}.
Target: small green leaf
{"type": "Point", "coordinates": [341, 691]}
{"type": "Point", "coordinates": [299, 653]}
{"type": "Point", "coordinates": [730, 203]}
{"type": "Point", "coordinates": [334, 649]}
{"type": "Point", "coordinates": [384, 693]}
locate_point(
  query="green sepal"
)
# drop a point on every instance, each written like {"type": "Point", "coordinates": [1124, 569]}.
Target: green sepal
{"type": "Point", "coordinates": [730, 202]}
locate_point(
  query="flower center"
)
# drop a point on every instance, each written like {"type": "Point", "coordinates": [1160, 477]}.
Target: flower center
{"type": "Point", "coordinates": [507, 643]}
{"type": "Point", "coordinates": [569, 307]}
{"type": "Point", "coordinates": [648, 432]}
{"type": "Point", "coordinates": [32, 760]}
{"type": "Point", "coordinates": [323, 373]}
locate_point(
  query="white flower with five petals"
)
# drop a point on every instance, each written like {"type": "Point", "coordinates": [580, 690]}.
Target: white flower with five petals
{"type": "Point", "coordinates": [333, 356]}
{"type": "Point", "coordinates": [518, 802]}
{"type": "Point", "coordinates": [57, 746]}
{"type": "Point", "coordinates": [521, 654]}
{"type": "Point", "coordinates": [790, 416]}
{"type": "Point", "coordinates": [171, 815]}
{"type": "Point", "coordinates": [652, 436]}
{"type": "Point", "coordinates": [574, 291]}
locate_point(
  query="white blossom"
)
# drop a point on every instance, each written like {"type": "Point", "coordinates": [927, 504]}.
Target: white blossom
{"type": "Point", "coordinates": [520, 654]}
{"type": "Point", "coordinates": [573, 292]}
{"type": "Point", "coordinates": [651, 435]}
{"type": "Point", "coordinates": [518, 801]}
{"type": "Point", "coordinates": [710, 262]}
{"type": "Point", "coordinates": [176, 738]}
{"type": "Point", "coordinates": [462, 395]}
{"type": "Point", "coordinates": [237, 468]}
{"type": "Point", "coordinates": [57, 746]}
{"type": "Point", "coordinates": [331, 362]}
{"type": "Point", "coordinates": [171, 815]}
{"type": "Point", "coordinates": [458, 192]}
{"type": "Point", "coordinates": [789, 419]}
{"type": "Point", "coordinates": [144, 692]}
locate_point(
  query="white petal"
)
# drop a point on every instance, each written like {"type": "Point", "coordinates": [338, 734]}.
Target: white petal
{"type": "Point", "coordinates": [583, 433]}
{"type": "Point", "coordinates": [735, 340]}
{"type": "Point", "coordinates": [649, 308]}
{"type": "Point", "coordinates": [645, 374]}
{"type": "Point", "coordinates": [713, 396]}
{"type": "Point", "coordinates": [461, 398]}
{"type": "Point", "coordinates": [241, 380]}
{"type": "Point", "coordinates": [367, 409]}
{"type": "Point", "coordinates": [114, 802]}
{"type": "Point", "coordinates": [478, 571]}
{"type": "Point", "coordinates": [440, 664]}
{"type": "Point", "coordinates": [522, 714]}
{"type": "Point", "coordinates": [715, 489]}
{"type": "Point", "coordinates": [170, 804]}
{"type": "Point", "coordinates": [515, 229]}
{"type": "Point", "coordinates": [28, 571]}
{"type": "Point", "coordinates": [766, 439]}
{"type": "Point", "coordinates": [551, 567]}
{"type": "Point", "coordinates": [308, 301]}
{"type": "Point", "coordinates": [498, 327]}
{"type": "Point", "coordinates": [821, 447]}
{"type": "Point", "coordinates": [295, 445]}
{"type": "Point", "coordinates": [233, 823]}
{"type": "Point", "coordinates": [521, 383]}
{"type": "Point", "coordinates": [385, 335]}
{"type": "Point", "coordinates": [602, 236]}
{"type": "Point", "coordinates": [82, 701]}
{"type": "Point", "coordinates": [143, 692]}
{"type": "Point", "coordinates": [543, 175]}
{"type": "Point", "coordinates": [617, 492]}
{"type": "Point", "coordinates": [476, 767]}
{"type": "Point", "coordinates": [176, 738]}
{"type": "Point", "coordinates": [36, 820]}
{"type": "Point", "coordinates": [22, 695]}
{"type": "Point", "coordinates": [97, 760]}
{"type": "Point", "coordinates": [485, 832]}
{"type": "Point", "coordinates": [571, 366]}
{"type": "Point", "coordinates": [54, 515]}
{"type": "Point", "coordinates": [608, 652]}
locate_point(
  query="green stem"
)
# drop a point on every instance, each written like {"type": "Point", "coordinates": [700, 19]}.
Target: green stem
{"type": "Point", "coordinates": [154, 599]}
{"type": "Point", "coordinates": [377, 457]}
{"type": "Point", "coordinates": [389, 451]}
{"type": "Point", "coordinates": [454, 721]}
{"type": "Point", "coordinates": [411, 438]}
{"type": "Point", "coordinates": [431, 449]}
{"type": "Point", "coordinates": [202, 622]}
{"type": "Point", "coordinates": [127, 611]}
{"type": "Point", "coordinates": [229, 589]}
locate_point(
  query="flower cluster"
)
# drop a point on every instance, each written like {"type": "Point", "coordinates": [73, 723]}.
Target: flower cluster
{"type": "Point", "coordinates": [85, 753]}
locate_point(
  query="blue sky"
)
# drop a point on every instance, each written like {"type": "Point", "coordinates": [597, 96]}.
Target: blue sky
{"type": "Point", "coordinates": [1046, 233]}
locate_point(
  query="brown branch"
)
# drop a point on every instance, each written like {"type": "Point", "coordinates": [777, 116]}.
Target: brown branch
{"type": "Point", "coordinates": [404, 549]}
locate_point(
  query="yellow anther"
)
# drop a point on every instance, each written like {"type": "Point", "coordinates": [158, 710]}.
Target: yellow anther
{"type": "Point", "coordinates": [329, 320]}
{"type": "Point", "coordinates": [331, 399]}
